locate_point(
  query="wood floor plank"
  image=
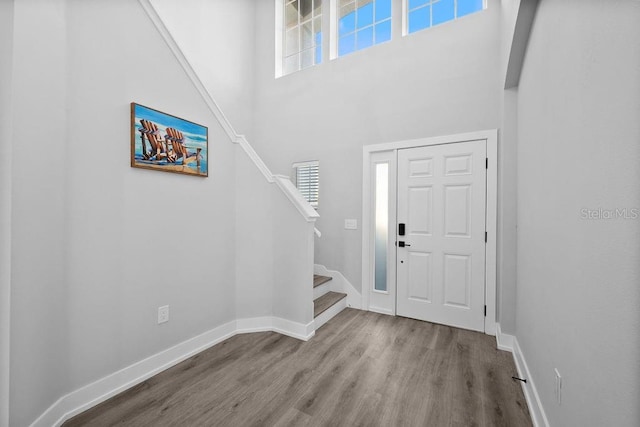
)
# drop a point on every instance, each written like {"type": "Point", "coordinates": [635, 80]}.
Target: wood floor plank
{"type": "Point", "coordinates": [293, 417]}
{"type": "Point", "coordinates": [361, 369]}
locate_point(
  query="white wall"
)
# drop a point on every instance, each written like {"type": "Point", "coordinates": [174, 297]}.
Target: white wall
{"type": "Point", "coordinates": [578, 134]}
{"type": "Point", "coordinates": [507, 178]}
{"type": "Point", "coordinates": [39, 337]}
{"type": "Point", "coordinates": [293, 257]}
{"type": "Point", "coordinates": [6, 52]}
{"type": "Point", "coordinates": [97, 245]}
{"type": "Point", "coordinates": [217, 37]}
{"type": "Point", "coordinates": [507, 213]}
{"type": "Point", "coordinates": [202, 30]}
{"type": "Point", "coordinates": [145, 239]}
{"type": "Point", "coordinates": [274, 250]}
{"type": "Point", "coordinates": [254, 241]}
{"type": "Point", "coordinates": [440, 81]}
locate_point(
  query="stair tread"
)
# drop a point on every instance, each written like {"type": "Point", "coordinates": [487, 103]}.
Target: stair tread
{"type": "Point", "coordinates": [319, 280]}
{"type": "Point", "coordinates": [326, 301]}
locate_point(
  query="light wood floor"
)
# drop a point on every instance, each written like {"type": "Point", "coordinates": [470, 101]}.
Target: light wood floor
{"type": "Point", "coordinates": [361, 369]}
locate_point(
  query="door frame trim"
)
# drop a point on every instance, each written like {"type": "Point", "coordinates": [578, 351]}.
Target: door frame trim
{"type": "Point", "coordinates": [491, 219]}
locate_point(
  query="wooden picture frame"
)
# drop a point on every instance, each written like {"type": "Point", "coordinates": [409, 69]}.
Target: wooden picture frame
{"type": "Point", "coordinates": [164, 142]}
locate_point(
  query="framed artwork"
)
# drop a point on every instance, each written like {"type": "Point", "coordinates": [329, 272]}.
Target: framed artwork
{"type": "Point", "coordinates": [163, 142]}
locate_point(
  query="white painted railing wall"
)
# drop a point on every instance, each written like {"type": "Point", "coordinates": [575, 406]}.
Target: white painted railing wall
{"type": "Point", "coordinates": [274, 247]}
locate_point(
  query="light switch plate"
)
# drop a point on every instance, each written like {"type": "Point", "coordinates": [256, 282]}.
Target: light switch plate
{"type": "Point", "coordinates": [350, 224]}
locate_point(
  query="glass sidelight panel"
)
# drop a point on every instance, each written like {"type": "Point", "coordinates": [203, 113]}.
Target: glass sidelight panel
{"type": "Point", "coordinates": [382, 226]}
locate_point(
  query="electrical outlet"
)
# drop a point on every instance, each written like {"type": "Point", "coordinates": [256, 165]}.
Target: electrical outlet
{"type": "Point", "coordinates": [350, 224]}
{"type": "Point", "coordinates": [558, 389]}
{"type": "Point", "coordinates": [163, 314]}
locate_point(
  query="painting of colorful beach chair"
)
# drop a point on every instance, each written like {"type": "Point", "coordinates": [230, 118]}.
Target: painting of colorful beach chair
{"type": "Point", "coordinates": [160, 141]}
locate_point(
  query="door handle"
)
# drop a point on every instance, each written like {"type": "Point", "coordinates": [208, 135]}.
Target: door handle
{"type": "Point", "coordinates": [402, 244]}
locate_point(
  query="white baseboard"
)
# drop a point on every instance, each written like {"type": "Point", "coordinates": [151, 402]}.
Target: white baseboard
{"type": "Point", "coordinates": [504, 341]}
{"type": "Point", "coordinates": [381, 310]}
{"type": "Point", "coordinates": [538, 416]}
{"type": "Point", "coordinates": [341, 284]}
{"type": "Point", "coordinates": [293, 329]}
{"type": "Point", "coordinates": [97, 392]}
{"type": "Point", "coordinates": [510, 343]}
{"type": "Point", "coordinates": [329, 313]}
{"type": "Point", "coordinates": [92, 394]}
{"type": "Point", "coordinates": [276, 324]}
{"type": "Point", "coordinates": [254, 324]}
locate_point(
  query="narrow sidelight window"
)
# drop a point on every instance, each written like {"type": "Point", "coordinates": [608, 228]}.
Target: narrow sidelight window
{"type": "Point", "coordinates": [382, 226]}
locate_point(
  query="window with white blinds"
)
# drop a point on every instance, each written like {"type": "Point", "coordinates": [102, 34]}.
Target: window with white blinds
{"type": "Point", "coordinates": [308, 181]}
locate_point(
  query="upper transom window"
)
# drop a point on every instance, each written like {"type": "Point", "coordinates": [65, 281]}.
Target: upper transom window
{"type": "Point", "coordinates": [302, 41]}
{"type": "Point", "coordinates": [423, 14]}
{"type": "Point", "coordinates": [353, 25]}
{"type": "Point", "coordinates": [362, 23]}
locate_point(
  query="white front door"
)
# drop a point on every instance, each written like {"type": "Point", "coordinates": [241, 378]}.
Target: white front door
{"type": "Point", "coordinates": [441, 202]}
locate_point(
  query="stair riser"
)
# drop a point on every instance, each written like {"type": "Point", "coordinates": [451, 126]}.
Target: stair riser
{"type": "Point", "coordinates": [318, 291]}
{"type": "Point", "coordinates": [328, 314]}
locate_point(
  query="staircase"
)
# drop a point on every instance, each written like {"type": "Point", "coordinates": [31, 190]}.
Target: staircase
{"type": "Point", "coordinates": [326, 303]}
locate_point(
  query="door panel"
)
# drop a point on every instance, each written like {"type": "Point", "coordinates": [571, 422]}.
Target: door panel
{"type": "Point", "coordinates": [457, 280]}
{"type": "Point", "coordinates": [420, 207]}
{"type": "Point", "coordinates": [441, 199]}
{"type": "Point", "coordinates": [420, 281]}
{"type": "Point", "coordinates": [421, 167]}
{"type": "Point", "coordinates": [457, 210]}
